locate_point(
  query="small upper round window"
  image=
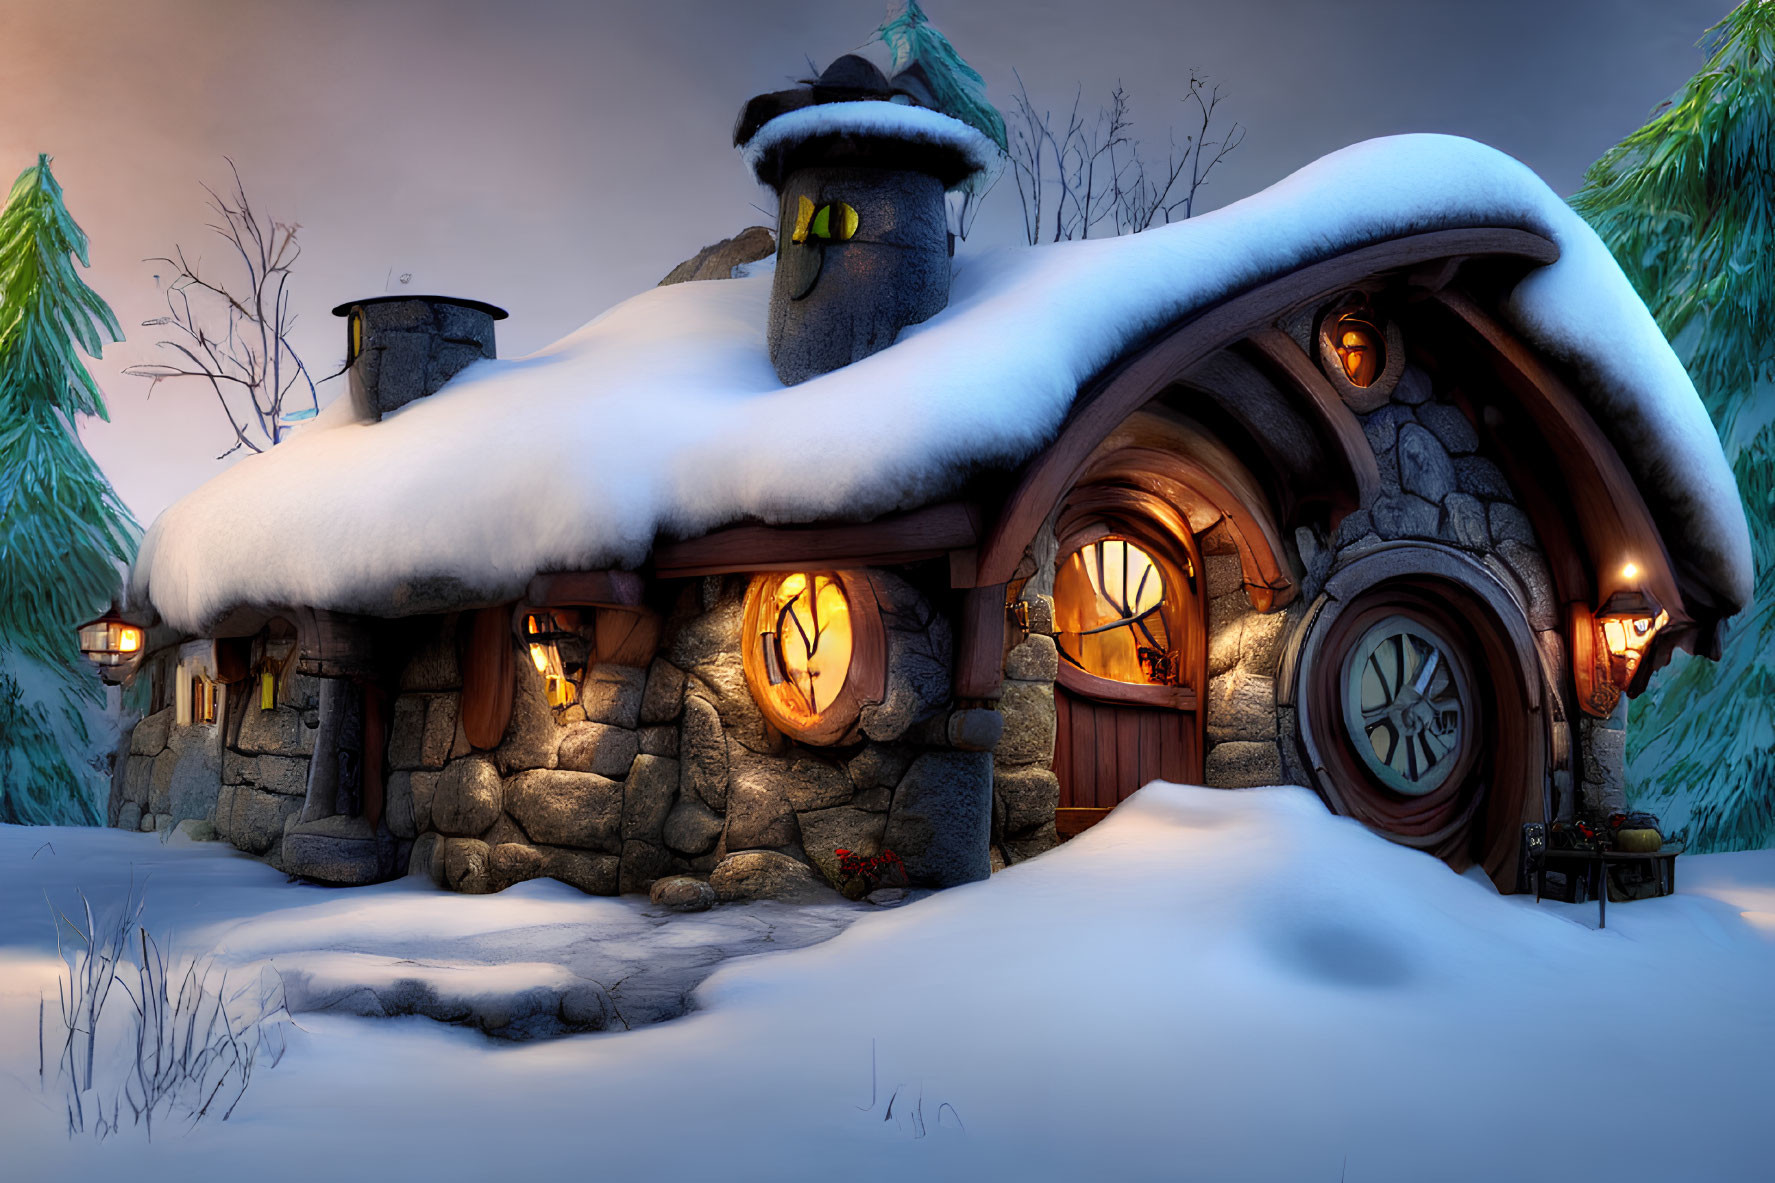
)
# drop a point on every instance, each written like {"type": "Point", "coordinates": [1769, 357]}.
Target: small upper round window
{"type": "Point", "coordinates": [813, 651]}
{"type": "Point", "coordinates": [1361, 350]}
{"type": "Point", "coordinates": [1407, 705]}
{"type": "Point", "coordinates": [1361, 353]}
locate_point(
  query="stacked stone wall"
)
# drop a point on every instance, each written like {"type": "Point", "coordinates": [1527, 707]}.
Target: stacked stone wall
{"type": "Point", "coordinates": [265, 769]}
{"type": "Point", "coordinates": [1025, 791]}
{"type": "Point", "coordinates": [1437, 485]}
{"type": "Point", "coordinates": [167, 775]}
{"type": "Point", "coordinates": [1244, 651]}
{"type": "Point", "coordinates": [672, 769]}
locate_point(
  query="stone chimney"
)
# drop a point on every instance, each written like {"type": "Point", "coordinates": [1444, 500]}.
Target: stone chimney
{"type": "Point", "coordinates": [399, 348]}
{"type": "Point", "coordinates": [860, 169]}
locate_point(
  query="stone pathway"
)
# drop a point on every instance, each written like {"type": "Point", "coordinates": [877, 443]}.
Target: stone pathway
{"type": "Point", "coordinates": [540, 981]}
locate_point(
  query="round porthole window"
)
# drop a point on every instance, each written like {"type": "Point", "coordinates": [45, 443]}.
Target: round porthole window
{"type": "Point", "coordinates": [1361, 352]}
{"type": "Point", "coordinates": [813, 651]}
{"type": "Point", "coordinates": [1407, 706]}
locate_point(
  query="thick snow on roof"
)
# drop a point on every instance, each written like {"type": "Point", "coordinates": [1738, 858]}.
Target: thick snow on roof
{"type": "Point", "coordinates": [664, 415]}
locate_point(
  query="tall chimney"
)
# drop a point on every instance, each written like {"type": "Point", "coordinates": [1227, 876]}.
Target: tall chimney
{"type": "Point", "coordinates": [399, 348]}
{"type": "Point", "coordinates": [860, 169]}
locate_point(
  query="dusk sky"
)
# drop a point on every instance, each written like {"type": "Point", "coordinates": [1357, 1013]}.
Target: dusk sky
{"type": "Point", "coordinates": [554, 157]}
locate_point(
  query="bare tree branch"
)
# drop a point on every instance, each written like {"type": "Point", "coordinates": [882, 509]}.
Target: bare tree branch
{"type": "Point", "coordinates": [236, 334]}
{"type": "Point", "coordinates": [1074, 181]}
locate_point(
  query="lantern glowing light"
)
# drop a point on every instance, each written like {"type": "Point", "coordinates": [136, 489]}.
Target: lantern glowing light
{"type": "Point", "coordinates": [543, 633]}
{"type": "Point", "coordinates": [1628, 625]}
{"type": "Point", "coordinates": [111, 641]}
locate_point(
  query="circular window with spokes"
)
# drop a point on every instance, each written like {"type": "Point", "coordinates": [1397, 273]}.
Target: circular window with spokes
{"type": "Point", "coordinates": [1408, 706]}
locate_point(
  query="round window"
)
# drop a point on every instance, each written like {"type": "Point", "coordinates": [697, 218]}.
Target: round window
{"type": "Point", "coordinates": [1110, 607]}
{"type": "Point", "coordinates": [813, 651]}
{"type": "Point", "coordinates": [1407, 705]}
{"type": "Point", "coordinates": [1360, 349]}
{"type": "Point", "coordinates": [1361, 352]}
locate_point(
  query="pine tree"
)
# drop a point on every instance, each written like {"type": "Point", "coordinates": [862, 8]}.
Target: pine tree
{"type": "Point", "coordinates": [1687, 206]}
{"type": "Point", "coordinates": [63, 531]}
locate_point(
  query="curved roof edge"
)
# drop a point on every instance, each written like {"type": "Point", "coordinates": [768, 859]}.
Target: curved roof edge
{"type": "Point", "coordinates": [667, 420]}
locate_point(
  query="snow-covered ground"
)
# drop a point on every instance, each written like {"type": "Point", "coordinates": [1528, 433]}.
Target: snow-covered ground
{"type": "Point", "coordinates": [1210, 985]}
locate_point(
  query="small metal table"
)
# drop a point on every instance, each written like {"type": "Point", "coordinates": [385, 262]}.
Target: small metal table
{"type": "Point", "coordinates": [1596, 864]}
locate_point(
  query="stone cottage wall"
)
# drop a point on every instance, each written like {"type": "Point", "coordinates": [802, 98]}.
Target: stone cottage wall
{"type": "Point", "coordinates": [672, 769]}
{"type": "Point", "coordinates": [244, 791]}
{"type": "Point", "coordinates": [1437, 486]}
{"type": "Point", "coordinates": [265, 769]}
{"type": "Point", "coordinates": [1025, 791]}
{"type": "Point", "coordinates": [1244, 650]}
{"type": "Point", "coordinates": [167, 775]}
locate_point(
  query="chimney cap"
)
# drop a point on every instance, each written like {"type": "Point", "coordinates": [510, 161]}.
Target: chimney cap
{"type": "Point", "coordinates": [493, 310]}
{"type": "Point", "coordinates": [872, 133]}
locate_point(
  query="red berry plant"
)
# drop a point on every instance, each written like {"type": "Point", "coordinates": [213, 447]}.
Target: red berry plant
{"type": "Point", "coordinates": [860, 874]}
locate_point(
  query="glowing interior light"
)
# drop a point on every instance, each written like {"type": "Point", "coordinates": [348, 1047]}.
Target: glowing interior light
{"type": "Point", "coordinates": [540, 656]}
{"type": "Point", "coordinates": [129, 640]}
{"type": "Point", "coordinates": [812, 639]}
{"type": "Point", "coordinates": [1360, 350]}
{"type": "Point", "coordinates": [1630, 571]}
{"type": "Point", "coordinates": [1108, 600]}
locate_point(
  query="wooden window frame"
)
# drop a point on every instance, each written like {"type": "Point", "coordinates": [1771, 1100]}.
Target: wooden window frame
{"type": "Point", "coordinates": [865, 681]}
{"type": "Point", "coordinates": [1099, 512]}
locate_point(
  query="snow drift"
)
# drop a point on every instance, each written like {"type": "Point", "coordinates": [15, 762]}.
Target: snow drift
{"type": "Point", "coordinates": [1208, 985]}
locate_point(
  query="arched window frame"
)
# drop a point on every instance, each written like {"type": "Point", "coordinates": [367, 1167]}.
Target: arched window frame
{"type": "Point", "coordinates": [1097, 513]}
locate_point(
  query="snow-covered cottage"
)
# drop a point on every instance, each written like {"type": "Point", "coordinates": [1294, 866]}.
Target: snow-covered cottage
{"type": "Point", "coordinates": [1381, 481]}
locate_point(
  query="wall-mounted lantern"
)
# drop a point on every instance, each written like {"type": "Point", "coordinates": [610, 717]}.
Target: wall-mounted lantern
{"type": "Point", "coordinates": [544, 633]}
{"type": "Point", "coordinates": [1609, 644]}
{"type": "Point", "coordinates": [112, 644]}
{"type": "Point", "coordinates": [1629, 621]}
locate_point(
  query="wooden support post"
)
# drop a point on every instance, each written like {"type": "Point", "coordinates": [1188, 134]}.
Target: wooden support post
{"type": "Point", "coordinates": [980, 643]}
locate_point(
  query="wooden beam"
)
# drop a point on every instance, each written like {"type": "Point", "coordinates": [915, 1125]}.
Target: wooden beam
{"type": "Point", "coordinates": [598, 589]}
{"type": "Point", "coordinates": [1336, 422]}
{"type": "Point", "coordinates": [1144, 373]}
{"type": "Point", "coordinates": [980, 643]}
{"type": "Point", "coordinates": [335, 644]}
{"type": "Point", "coordinates": [1612, 517]}
{"type": "Point", "coordinates": [924, 533]}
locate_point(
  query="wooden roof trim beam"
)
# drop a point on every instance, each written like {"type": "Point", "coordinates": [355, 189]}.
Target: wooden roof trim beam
{"type": "Point", "coordinates": [924, 533]}
{"type": "Point", "coordinates": [1336, 422]}
{"type": "Point", "coordinates": [1612, 517]}
{"type": "Point", "coordinates": [585, 589]}
{"type": "Point", "coordinates": [1142, 374]}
